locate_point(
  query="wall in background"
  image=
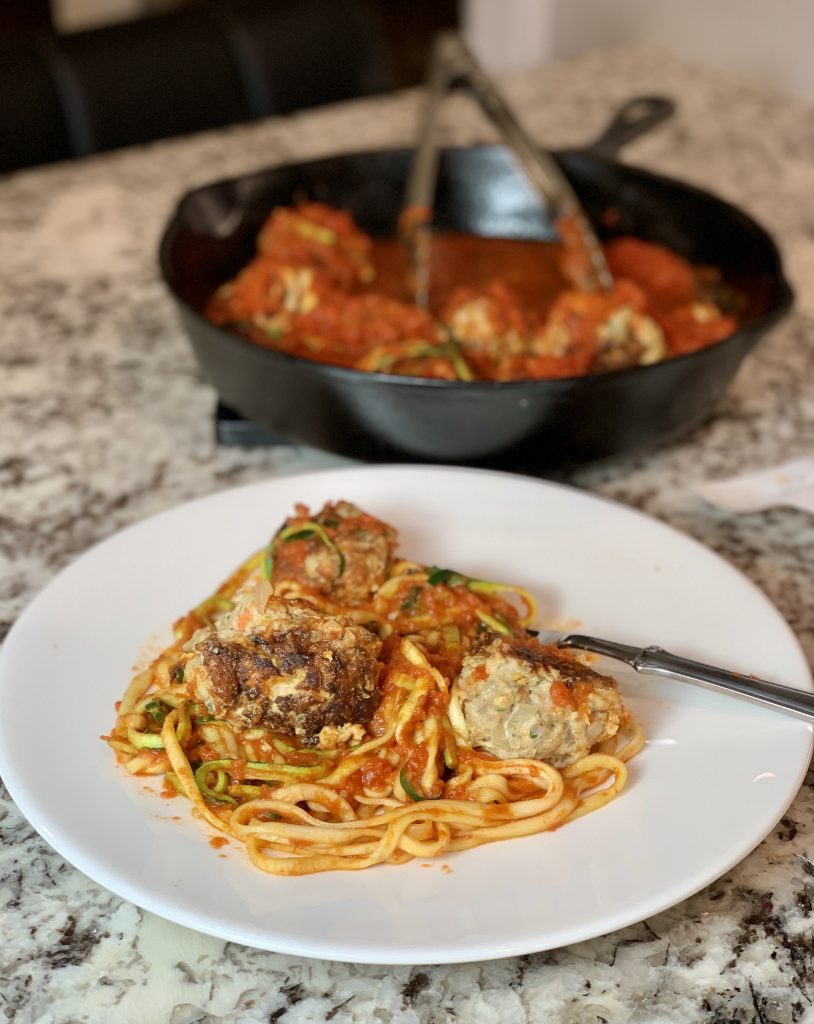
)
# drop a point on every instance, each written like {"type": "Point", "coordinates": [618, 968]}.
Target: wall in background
{"type": "Point", "coordinates": [771, 42]}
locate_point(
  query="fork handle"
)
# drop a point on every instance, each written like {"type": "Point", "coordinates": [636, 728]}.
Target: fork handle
{"type": "Point", "coordinates": [799, 703]}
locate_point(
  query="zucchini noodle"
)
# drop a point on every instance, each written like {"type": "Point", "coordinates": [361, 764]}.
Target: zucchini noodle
{"type": "Point", "coordinates": [411, 786]}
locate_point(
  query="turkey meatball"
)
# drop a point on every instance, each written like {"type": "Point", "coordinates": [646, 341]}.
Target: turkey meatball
{"type": "Point", "coordinates": [523, 699]}
{"type": "Point", "coordinates": [490, 326]}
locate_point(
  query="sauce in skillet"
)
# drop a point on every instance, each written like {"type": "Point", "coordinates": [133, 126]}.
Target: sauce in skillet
{"type": "Point", "coordinates": [530, 269]}
{"type": "Point", "coordinates": [500, 309]}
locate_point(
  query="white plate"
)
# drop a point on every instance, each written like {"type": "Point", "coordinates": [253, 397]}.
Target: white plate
{"type": "Point", "coordinates": [714, 778]}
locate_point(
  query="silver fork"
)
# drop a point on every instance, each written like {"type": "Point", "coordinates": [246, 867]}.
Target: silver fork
{"type": "Point", "coordinates": [798, 703]}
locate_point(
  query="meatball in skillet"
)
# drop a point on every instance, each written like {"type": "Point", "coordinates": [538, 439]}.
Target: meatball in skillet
{"type": "Point", "coordinates": [341, 552]}
{"type": "Point", "coordinates": [320, 237]}
{"type": "Point", "coordinates": [490, 325]}
{"type": "Point", "coordinates": [523, 699]}
{"type": "Point", "coordinates": [288, 667]}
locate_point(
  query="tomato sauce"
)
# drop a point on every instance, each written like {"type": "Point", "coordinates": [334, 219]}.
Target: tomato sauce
{"type": "Point", "coordinates": [530, 269]}
{"type": "Point", "coordinates": [499, 309]}
{"type": "Point", "coordinates": [560, 695]}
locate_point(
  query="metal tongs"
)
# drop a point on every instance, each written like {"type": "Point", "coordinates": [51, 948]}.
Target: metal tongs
{"type": "Point", "coordinates": [798, 703]}
{"type": "Point", "coordinates": [451, 65]}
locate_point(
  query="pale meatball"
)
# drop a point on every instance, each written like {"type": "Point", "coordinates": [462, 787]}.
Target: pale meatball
{"type": "Point", "coordinates": [628, 338]}
{"type": "Point", "coordinates": [288, 667]}
{"type": "Point", "coordinates": [601, 332]}
{"type": "Point", "coordinates": [490, 325]}
{"type": "Point", "coordinates": [523, 699]}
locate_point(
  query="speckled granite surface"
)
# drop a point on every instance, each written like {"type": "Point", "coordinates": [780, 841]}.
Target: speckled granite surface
{"type": "Point", "coordinates": [105, 420]}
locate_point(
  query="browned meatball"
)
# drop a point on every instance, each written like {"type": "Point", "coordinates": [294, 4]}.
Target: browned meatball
{"type": "Point", "coordinates": [340, 552]}
{"type": "Point", "coordinates": [288, 667]}
{"type": "Point", "coordinates": [523, 699]}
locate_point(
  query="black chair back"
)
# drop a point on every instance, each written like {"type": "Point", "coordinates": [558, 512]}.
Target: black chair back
{"type": "Point", "coordinates": [214, 64]}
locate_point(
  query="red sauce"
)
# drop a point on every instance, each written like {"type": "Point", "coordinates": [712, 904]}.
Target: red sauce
{"type": "Point", "coordinates": [302, 759]}
{"type": "Point", "coordinates": [322, 289]}
{"type": "Point", "coordinates": [530, 269]}
{"type": "Point", "coordinates": [216, 842]}
{"type": "Point", "coordinates": [375, 774]}
{"type": "Point", "coordinates": [560, 695]}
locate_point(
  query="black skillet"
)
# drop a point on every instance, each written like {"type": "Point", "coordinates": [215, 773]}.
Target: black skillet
{"type": "Point", "coordinates": [526, 424]}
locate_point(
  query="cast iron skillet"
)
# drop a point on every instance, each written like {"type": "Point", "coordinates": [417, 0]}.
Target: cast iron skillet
{"type": "Point", "coordinates": [518, 423]}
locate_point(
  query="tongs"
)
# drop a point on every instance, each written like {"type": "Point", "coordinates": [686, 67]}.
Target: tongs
{"type": "Point", "coordinates": [452, 65]}
{"type": "Point", "coordinates": [798, 703]}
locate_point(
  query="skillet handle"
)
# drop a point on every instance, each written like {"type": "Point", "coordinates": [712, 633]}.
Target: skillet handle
{"type": "Point", "coordinates": [636, 117]}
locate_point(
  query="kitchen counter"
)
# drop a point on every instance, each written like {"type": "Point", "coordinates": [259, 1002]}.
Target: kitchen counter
{"type": "Point", "coordinates": [106, 420]}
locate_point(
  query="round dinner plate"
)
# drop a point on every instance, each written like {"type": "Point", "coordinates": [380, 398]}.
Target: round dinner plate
{"type": "Point", "coordinates": [715, 776]}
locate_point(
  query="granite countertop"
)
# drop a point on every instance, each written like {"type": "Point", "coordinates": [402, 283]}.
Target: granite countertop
{"type": "Point", "coordinates": [105, 420]}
